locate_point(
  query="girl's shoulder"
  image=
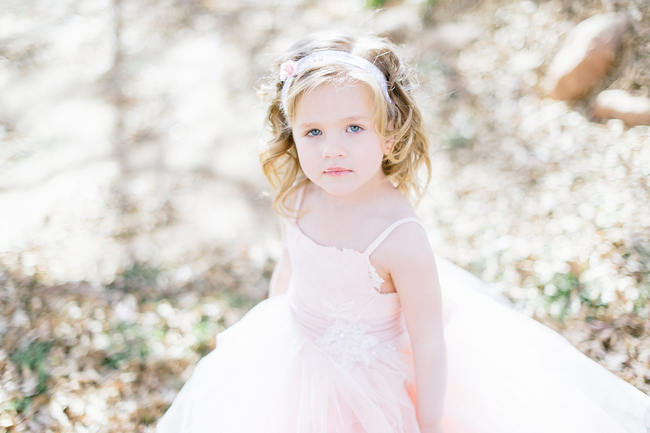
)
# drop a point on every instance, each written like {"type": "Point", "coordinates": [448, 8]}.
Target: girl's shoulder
{"type": "Point", "coordinates": [405, 250]}
{"type": "Point", "coordinates": [405, 234]}
{"type": "Point", "coordinates": [396, 221]}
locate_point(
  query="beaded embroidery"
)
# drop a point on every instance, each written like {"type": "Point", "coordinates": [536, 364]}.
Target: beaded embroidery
{"type": "Point", "coordinates": [348, 341]}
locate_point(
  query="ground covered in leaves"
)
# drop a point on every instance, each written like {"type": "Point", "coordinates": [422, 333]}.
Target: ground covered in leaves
{"type": "Point", "coordinates": [135, 222]}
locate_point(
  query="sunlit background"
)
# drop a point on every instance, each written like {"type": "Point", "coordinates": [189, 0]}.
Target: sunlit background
{"type": "Point", "coordinates": [135, 222]}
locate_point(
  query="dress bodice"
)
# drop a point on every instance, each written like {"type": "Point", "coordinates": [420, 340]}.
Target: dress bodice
{"type": "Point", "coordinates": [334, 293]}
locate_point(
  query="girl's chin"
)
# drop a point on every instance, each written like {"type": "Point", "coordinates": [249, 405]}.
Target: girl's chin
{"type": "Point", "coordinates": [339, 190]}
{"type": "Point", "coordinates": [341, 186]}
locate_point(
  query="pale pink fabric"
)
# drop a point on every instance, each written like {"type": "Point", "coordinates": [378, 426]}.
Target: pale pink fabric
{"type": "Point", "coordinates": [332, 355]}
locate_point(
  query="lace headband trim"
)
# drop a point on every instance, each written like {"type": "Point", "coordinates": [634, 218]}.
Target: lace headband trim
{"type": "Point", "coordinates": [290, 69]}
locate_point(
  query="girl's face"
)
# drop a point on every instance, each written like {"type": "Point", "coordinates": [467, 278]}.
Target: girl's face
{"type": "Point", "coordinates": [334, 132]}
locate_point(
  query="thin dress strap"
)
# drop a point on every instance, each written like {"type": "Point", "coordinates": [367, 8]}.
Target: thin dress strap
{"type": "Point", "coordinates": [383, 235]}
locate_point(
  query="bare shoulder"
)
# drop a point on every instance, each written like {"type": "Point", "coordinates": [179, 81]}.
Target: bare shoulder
{"type": "Point", "coordinates": [407, 243]}
{"type": "Point", "coordinates": [410, 263]}
{"type": "Point", "coordinates": [407, 246]}
{"type": "Point", "coordinates": [406, 260]}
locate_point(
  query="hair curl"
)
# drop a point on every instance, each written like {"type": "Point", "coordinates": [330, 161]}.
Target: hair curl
{"type": "Point", "coordinates": [401, 123]}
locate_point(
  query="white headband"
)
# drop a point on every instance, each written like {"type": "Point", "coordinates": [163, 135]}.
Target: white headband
{"type": "Point", "coordinates": [290, 69]}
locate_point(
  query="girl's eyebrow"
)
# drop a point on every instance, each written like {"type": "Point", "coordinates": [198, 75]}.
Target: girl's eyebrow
{"type": "Point", "coordinates": [347, 119]}
{"type": "Point", "coordinates": [355, 117]}
{"type": "Point", "coordinates": [306, 125]}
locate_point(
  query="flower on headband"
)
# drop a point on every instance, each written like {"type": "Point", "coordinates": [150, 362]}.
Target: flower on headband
{"type": "Point", "coordinates": [287, 69]}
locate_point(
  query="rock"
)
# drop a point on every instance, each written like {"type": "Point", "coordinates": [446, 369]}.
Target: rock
{"type": "Point", "coordinates": [585, 56]}
{"type": "Point", "coordinates": [618, 104]}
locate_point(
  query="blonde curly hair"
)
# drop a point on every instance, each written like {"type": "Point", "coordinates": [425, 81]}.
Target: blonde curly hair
{"type": "Point", "coordinates": [400, 123]}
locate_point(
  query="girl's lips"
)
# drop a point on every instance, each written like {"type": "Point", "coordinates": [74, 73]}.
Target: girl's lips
{"type": "Point", "coordinates": [337, 171]}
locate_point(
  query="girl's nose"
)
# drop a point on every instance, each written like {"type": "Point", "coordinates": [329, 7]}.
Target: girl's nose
{"type": "Point", "coordinates": [333, 149]}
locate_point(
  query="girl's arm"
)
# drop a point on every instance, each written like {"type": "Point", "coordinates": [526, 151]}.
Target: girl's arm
{"type": "Point", "coordinates": [414, 274]}
{"type": "Point", "coordinates": [280, 277]}
{"type": "Point", "coordinates": [282, 272]}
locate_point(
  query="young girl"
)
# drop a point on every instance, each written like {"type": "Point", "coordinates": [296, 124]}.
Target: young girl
{"type": "Point", "coordinates": [356, 335]}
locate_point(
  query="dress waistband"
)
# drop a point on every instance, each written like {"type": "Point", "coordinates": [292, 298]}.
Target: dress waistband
{"type": "Point", "coordinates": [346, 320]}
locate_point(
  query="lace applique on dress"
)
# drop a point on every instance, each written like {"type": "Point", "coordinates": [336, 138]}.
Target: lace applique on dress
{"type": "Point", "coordinates": [348, 341]}
{"type": "Point", "coordinates": [375, 279]}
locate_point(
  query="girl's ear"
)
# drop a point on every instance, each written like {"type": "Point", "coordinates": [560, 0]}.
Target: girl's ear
{"type": "Point", "coordinates": [388, 144]}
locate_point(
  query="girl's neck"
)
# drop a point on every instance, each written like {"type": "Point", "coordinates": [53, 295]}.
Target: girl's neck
{"type": "Point", "coordinates": [359, 197]}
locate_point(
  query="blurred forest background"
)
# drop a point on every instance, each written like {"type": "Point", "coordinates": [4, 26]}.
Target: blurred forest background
{"type": "Point", "coordinates": [135, 223]}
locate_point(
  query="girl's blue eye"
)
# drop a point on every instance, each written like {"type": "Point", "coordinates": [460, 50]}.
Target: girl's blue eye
{"type": "Point", "coordinates": [314, 132]}
{"type": "Point", "coordinates": [354, 128]}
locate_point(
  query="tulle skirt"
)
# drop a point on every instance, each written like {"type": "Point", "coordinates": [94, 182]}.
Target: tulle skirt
{"type": "Point", "coordinates": [509, 373]}
{"type": "Point", "coordinates": [506, 373]}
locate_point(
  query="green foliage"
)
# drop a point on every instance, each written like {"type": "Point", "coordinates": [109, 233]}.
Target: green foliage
{"type": "Point", "coordinates": [643, 300]}
{"type": "Point", "coordinates": [568, 287]}
{"type": "Point", "coordinates": [139, 274]}
{"type": "Point", "coordinates": [34, 357]}
{"type": "Point", "coordinates": [7, 406]}
{"type": "Point", "coordinates": [148, 418]}
{"type": "Point", "coordinates": [238, 301]}
{"type": "Point", "coordinates": [454, 140]}
{"type": "Point", "coordinates": [204, 331]}
{"type": "Point", "coordinates": [643, 251]}
{"type": "Point", "coordinates": [427, 8]}
{"type": "Point", "coordinates": [21, 404]}
{"type": "Point", "coordinates": [477, 267]}
{"type": "Point", "coordinates": [18, 405]}
{"type": "Point", "coordinates": [374, 4]}
{"type": "Point", "coordinates": [430, 4]}
{"type": "Point", "coordinates": [127, 343]}
{"type": "Point", "coordinates": [158, 333]}
{"type": "Point", "coordinates": [558, 303]}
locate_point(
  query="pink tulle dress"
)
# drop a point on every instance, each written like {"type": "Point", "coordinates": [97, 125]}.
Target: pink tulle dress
{"type": "Point", "coordinates": [332, 355]}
